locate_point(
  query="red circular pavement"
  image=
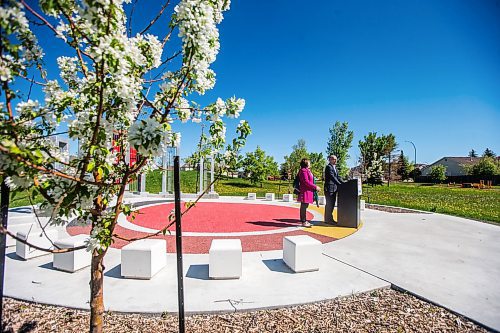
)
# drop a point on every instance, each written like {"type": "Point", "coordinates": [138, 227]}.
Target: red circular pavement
{"type": "Point", "coordinates": [211, 217]}
{"type": "Point", "coordinates": [220, 218]}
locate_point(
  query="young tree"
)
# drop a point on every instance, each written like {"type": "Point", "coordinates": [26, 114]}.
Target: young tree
{"type": "Point", "coordinates": [339, 144]}
{"type": "Point", "coordinates": [438, 173]}
{"type": "Point", "coordinates": [373, 145]}
{"type": "Point", "coordinates": [258, 166]}
{"type": "Point", "coordinates": [472, 153]}
{"type": "Point", "coordinates": [374, 170]}
{"type": "Point", "coordinates": [489, 153]}
{"type": "Point", "coordinates": [405, 168]}
{"type": "Point", "coordinates": [318, 163]}
{"type": "Point", "coordinates": [117, 89]}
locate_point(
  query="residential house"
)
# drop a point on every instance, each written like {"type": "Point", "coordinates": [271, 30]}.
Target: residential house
{"type": "Point", "coordinates": [454, 165]}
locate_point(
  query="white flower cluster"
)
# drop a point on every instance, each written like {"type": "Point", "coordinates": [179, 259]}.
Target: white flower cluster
{"type": "Point", "coordinates": [197, 27]}
{"type": "Point", "coordinates": [14, 58]}
{"type": "Point", "coordinates": [147, 136]}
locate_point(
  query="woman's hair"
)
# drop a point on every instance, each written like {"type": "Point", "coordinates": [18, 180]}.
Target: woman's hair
{"type": "Point", "coordinates": [304, 163]}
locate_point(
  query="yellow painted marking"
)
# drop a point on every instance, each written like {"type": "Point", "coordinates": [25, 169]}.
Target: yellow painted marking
{"type": "Point", "coordinates": [329, 230]}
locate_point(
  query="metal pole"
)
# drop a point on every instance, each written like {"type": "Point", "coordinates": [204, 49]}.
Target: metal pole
{"type": "Point", "coordinates": [178, 244]}
{"type": "Point", "coordinates": [4, 203]}
{"type": "Point", "coordinates": [415, 148]}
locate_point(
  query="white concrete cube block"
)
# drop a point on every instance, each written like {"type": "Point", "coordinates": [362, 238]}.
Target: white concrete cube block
{"type": "Point", "coordinates": [38, 238]}
{"type": "Point", "coordinates": [288, 197]}
{"type": "Point", "coordinates": [269, 196]}
{"type": "Point", "coordinates": [301, 253]}
{"type": "Point", "coordinates": [321, 200]}
{"type": "Point", "coordinates": [74, 260]}
{"type": "Point", "coordinates": [252, 196]}
{"type": "Point", "coordinates": [144, 258]}
{"type": "Point", "coordinates": [225, 259]}
{"type": "Point", "coordinates": [15, 228]}
{"type": "Point", "coordinates": [362, 205]}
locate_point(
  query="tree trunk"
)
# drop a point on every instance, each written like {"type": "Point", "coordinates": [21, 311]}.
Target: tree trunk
{"type": "Point", "coordinates": [96, 292]}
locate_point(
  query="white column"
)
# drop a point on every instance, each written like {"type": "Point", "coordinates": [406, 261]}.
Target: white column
{"type": "Point", "coordinates": [164, 173]}
{"type": "Point", "coordinates": [202, 187]}
{"type": "Point", "coordinates": [212, 168]}
{"type": "Point", "coordinates": [127, 160]}
{"type": "Point", "coordinates": [142, 185]}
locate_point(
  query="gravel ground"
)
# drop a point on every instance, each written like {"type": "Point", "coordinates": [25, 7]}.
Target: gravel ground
{"type": "Point", "coordinates": [394, 209]}
{"type": "Point", "coordinates": [377, 311]}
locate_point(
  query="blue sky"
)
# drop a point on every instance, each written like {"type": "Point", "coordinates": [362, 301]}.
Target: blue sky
{"type": "Point", "coordinates": [426, 71]}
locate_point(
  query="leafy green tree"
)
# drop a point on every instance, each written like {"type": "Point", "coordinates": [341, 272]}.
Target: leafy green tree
{"type": "Point", "coordinates": [292, 161]}
{"type": "Point", "coordinates": [438, 173]}
{"type": "Point", "coordinates": [489, 153]}
{"type": "Point", "coordinates": [318, 163]}
{"type": "Point", "coordinates": [405, 168]}
{"type": "Point", "coordinates": [486, 167]}
{"type": "Point", "coordinates": [375, 146]}
{"type": "Point", "coordinates": [472, 153]}
{"type": "Point", "coordinates": [258, 166]}
{"type": "Point", "coordinates": [339, 143]}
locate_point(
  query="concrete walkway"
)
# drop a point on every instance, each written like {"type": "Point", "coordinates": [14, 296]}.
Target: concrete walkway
{"type": "Point", "coordinates": [450, 261]}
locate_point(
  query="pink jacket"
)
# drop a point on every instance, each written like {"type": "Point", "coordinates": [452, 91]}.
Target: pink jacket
{"type": "Point", "coordinates": [307, 186]}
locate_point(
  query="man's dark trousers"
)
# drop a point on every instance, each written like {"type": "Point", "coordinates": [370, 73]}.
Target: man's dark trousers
{"type": "Point", "coordinates": [330, 199]}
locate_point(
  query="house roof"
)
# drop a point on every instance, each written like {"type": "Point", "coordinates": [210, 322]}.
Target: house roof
{"type": "Point", "coordinates": [462, 160]}
{"type": "Point", "coordinates": [458, 160]}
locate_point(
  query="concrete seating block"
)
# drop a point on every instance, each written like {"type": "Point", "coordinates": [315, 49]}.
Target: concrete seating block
{"type": "Point", "coordinates": [225, 259]}
{"type": "Point", "coordinates": [15, 228]}
{"type": "Point", "coordinates": [301, 253]}
{"type": "Point", "coordinates": [288, 197]}
{"type": "Point", "coordinates": [269, 196]}
{"type": "Point", "coordinates": [144, 258]}
{"type": "Point", "coordinates": [252, 196]}
{"type": "Point", "coordinates": [321, 200]}
{"type": "Point", "coordinates": [362, 205]}
{"type": "Point", "coordinates": [74, 260]}
{"type": "Point", "coordinates": [37, 238]}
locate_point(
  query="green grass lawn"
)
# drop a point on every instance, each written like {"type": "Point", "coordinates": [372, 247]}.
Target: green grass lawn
{"type": "Point", "coordinates": [224, 186]}
{"type": "Point", "coordinates": [466, 202]}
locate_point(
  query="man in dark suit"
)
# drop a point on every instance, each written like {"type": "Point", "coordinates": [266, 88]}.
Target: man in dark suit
{"type": "Point", "coordinates": [332, 181]}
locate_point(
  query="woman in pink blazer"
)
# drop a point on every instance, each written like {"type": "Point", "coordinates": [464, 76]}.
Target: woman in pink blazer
{"type": "Point", "coordinates": [307, 188]}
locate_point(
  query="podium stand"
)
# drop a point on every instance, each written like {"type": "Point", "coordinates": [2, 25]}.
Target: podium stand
{"type": "Point", "coordinates": [348, 203]}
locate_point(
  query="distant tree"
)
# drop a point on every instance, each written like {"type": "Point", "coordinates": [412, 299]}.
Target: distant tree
{"type": "Point", "coordinates": [339, 143]}
{"type": "Point", "coordinates": [193, 160]}
{"type": "Point", "coordinates": [404, 167]}
{"type": "Point", "coordinates": [373, 145]}
{"type": "Point", "coordinates": [438, 173]}
{"type": "Point", "coordinates": [318, 163]}
{"type": "Point", "coordinates": [257, 166]}
{"type": "Point", "coordinates": [489, 153]}
{"type": "Point", "coordinates": [486, 167]}
{"type": "Point", "coordinates": [415, 172]}
{"type": "Point", "coordinates": [472, 153]}
{"type": "Point", "coordinates": [292, 161]}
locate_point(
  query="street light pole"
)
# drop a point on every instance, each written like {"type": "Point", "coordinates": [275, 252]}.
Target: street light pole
{"type": "Point", "coordinates": [415, 150]}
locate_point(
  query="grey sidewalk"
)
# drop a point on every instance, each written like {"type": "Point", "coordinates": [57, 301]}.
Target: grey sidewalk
{"type": "Point", "coordinates": [451, 261]}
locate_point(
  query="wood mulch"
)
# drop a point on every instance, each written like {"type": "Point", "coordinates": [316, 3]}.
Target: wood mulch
{"type": "Point", "coordinates": [383, 310]}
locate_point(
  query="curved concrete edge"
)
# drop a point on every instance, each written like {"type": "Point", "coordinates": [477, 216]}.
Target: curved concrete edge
{"type": "Point", "coordinates": [266, 283]}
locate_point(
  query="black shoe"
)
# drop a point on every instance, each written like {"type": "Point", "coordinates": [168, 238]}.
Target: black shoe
{"type": "Point", "coordinates": [331, 223]}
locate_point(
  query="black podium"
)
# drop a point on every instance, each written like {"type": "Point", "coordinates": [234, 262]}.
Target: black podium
{"type": "Point", "coordinates": [348, 204]}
